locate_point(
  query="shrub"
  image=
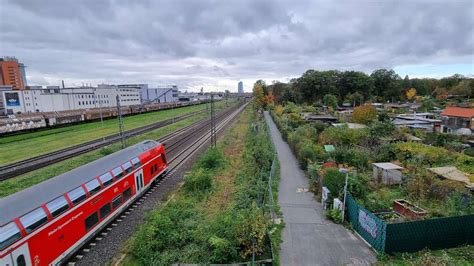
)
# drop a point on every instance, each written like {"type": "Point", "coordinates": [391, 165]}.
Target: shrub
{"type": "Point", "coordinates": [199, 180]}
{"type": "Point", "coordinates": [469, 151]}
{"type": "Point", "coordinates": [342, 136]}
{"type": "Point", "coordinates": [334, 215]}
{"type": "Point", "coordinates": [334, 181]}
{"type": "Point", "coordinates": [358, 158]}
{"type": "Point", "coordinates": [421, 153]}
{"type": "Point", "coordinates": [211, 160]}
{"type": "Point", "coordinates": [364, 114]}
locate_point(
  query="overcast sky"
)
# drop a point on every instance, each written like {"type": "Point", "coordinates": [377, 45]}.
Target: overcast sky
{"type": "Point", "coordinates": [215, 43]}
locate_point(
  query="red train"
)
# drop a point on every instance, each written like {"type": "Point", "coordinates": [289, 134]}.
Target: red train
{"type": "Point", "coordinates": [48, 222]}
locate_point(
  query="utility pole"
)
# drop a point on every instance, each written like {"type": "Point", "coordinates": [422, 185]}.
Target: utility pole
{"type": "Point", "coordinates": [213, 122]}
{"type": "Point", "coordinates": [120, 121]}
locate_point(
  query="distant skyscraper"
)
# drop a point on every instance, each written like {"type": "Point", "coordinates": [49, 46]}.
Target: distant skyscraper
{"type": "Point", "coordinates": [241, 87]}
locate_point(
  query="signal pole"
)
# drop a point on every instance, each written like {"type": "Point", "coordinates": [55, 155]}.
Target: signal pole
{"type": "Point", "coordinates": [213, 122]}
{"type": "Point", "coordinates": [120, 121]}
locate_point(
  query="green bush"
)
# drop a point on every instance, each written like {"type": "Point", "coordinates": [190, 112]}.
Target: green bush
{"type": "Point", "coordinates": [211, 160]}
{"type": "Point", "coordinates": [342, 136]}
{"type": "Point", "coordinates": [334, 181]}
{"type": "Point", "coordinates": [334, 215]}
{"type": "Point", "coordinates": [469, 151]}
{"type": "Point", "coordinates": [199, 180]}
{"type": "Point", "coordinates": [358, 158]}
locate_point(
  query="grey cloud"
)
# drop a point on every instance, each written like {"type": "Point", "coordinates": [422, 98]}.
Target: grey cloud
{"type": "Point", "coordinates": [216, 43]}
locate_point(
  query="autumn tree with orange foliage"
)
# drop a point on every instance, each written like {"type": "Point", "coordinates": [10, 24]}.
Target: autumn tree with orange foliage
{"type": "Point", "coordinates": [364, 114]}
{"type": "Point", "coordinates": [411, 93]}
{"type": "Point", "coordinates": [269, 99]}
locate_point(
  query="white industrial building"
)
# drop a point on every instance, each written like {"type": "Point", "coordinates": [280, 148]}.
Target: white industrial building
{"type": "Point", "coordinates": [54, 98]}
{"type": "Point", "coordinates": [159, 94]}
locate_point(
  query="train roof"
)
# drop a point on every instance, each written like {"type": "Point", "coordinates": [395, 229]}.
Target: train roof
{"type": "Point", "coordinates": [28, 199]}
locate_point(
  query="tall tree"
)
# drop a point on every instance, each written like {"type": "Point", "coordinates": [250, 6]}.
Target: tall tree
{"type": "Point", "coordinates": [387, 84]}
{"type": "Point", "coordinates": [259, 95]}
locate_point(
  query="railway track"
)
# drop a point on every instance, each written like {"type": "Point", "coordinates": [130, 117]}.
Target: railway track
{"type": "Point", "coordinates": [28, 165]}
{"type": "Point", "coordinates": [183, 146]}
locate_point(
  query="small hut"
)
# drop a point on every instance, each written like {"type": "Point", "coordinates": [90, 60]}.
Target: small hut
{"type": "Point", "coordinates": [387, 173]}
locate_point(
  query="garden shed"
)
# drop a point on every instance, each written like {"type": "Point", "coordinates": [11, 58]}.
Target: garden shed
{"type": "Point", "coordinates": [387, 173]}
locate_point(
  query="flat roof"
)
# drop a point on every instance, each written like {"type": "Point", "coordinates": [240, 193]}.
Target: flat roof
{"type": "Point", "coordinates": [28, 199]}
{"type": "Point", "coordinates": [388, 166]}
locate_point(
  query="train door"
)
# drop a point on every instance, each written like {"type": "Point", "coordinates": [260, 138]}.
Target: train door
{"type": "Point", "coordinates": [139, 180]}
{"type": "Point", "coordinates": [21, 256]}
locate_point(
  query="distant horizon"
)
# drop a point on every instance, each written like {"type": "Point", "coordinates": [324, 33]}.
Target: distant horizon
{"type": "Point", "coordinates": [408, 71]}
{"type": "Point", "coordinates": [213, 45]}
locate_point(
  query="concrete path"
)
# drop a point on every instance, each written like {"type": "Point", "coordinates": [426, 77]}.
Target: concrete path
{"type": "Point", "coordinates": [308, 238]}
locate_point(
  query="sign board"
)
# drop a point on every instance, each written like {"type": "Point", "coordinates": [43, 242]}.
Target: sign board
{"type": "Point", "coordinates": [325, 196]}
{"type": "Point", "coordinates": [12, 99]}
{"type": "Point", "coordinates": [368, 223]}
{"type": "Point", "coordinates": [337, 204]}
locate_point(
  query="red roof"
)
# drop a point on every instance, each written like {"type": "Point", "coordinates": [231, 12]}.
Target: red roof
{"type": "Point", "coordinates": [458, 112]}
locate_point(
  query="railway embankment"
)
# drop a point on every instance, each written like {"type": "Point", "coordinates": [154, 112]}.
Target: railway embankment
{"type": "Point", "coordinates": [222, 212]}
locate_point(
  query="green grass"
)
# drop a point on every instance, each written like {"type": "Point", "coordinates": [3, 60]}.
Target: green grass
{"type": "Point", "coordinates": [19, 147]}
{"type": "Point", "coordinates": [453, 256]}
{"type": "Point", "coordinates": [19, 183]}
{"type": "Point", "coordinates": [216, 216]}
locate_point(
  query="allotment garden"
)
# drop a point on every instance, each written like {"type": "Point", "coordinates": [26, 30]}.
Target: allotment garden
{"type": "Point", "coordinates": [392, 180]}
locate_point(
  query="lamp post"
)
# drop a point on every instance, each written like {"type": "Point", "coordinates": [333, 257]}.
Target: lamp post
{"type": "Point", "coordinates": [346, 171]}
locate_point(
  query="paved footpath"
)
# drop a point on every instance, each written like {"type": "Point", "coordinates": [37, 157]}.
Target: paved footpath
{"type": "Point", "coordinates": [308, 237]}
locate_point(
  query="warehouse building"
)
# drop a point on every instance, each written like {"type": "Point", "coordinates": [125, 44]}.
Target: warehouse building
{"type": "Point", "coordinates": [54, 98]}
{"type": "Point", "coordinates": [159, 94]}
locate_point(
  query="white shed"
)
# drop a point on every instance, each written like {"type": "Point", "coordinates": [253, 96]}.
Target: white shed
{"type": "Point", "coordinates": [387, 173]}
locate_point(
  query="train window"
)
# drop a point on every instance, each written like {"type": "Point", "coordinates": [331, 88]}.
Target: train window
{"type": "Point", "coordinates": [77, 195]}
{"type": "Point", "coordinates": [136, 162]}
{"type": "Point", "coordinates": [92, 220]}
{"type": "Point", "coordinates": [9, 233]}
{"type": "Point", "coordinates": [105, 210]}
{"type": "Point", "coordinates": [57, 206]}
{"type": "Point", "coordinates": [117, 201]}
{"type": "Point", "coordinates": [106, 179]}
{"type": "Point", "coordinates": [93, 186]}
{"type": "Point", "coordinates": [163, 158]}
{"type": "Point", "coordinates": [127, 194]}
{"type": "Point", "coordinates": [33, 220]}
{"type": "Point", "coordinates": [127, 167]}
{"type": "Point", "coordinates": [118, 173]}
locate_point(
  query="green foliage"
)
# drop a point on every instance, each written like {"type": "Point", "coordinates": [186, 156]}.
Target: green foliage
{"type": "Point", "coordinates": [212, 159]}
{"type": "Point", "coordinates": [342, 136]}
{"type": "Point", "coordinates": [411, 152]}
{"type": "Point", "coordinates": [364, 114]}
{"type": "Point", "coordinates": [198, 181]}
{"type": "Point", "coordinates": [330, 101]}
{"type": "Point", "coordinates": [185, 231]}
{"type": "Point", "coordinates": [381, 129]}
{"type": "Point", "coordinates": [334, 181]}
{"type": "Point", "coordinates": [469, 151]}
{"type": "Point", "coordinates": [334, 215]}
{"type": "Point", "coordinates": [455, 256]}
{"type": "Point", "coordinates": [356, 157]}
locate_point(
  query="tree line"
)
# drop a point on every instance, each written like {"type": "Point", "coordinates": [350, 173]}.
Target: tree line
{"type": "Point", "coordinates": [357, 87]}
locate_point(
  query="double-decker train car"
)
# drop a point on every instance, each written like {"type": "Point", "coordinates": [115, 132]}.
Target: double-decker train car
{"type": "Point", "coordinates": [50, 221]}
